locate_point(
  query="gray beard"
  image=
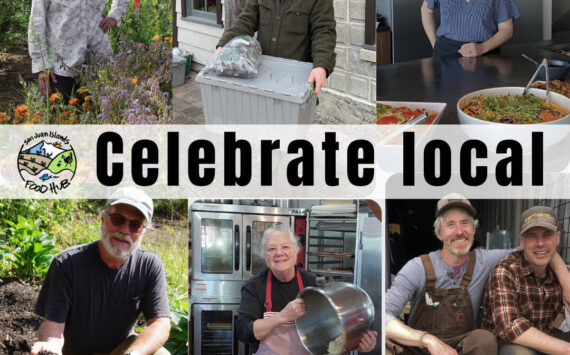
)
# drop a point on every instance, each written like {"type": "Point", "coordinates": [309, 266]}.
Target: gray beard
{"type": "Point", "coordinates": [118, 252]}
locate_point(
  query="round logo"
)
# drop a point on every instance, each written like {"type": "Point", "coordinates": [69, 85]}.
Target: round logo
{"type": "Point", "coordinates": [47, 162]}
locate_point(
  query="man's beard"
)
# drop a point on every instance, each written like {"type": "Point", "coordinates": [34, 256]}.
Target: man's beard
{"type": "Point", "coordinates": [118, 251]}
{"type": "Point", "coordinates": [460, 252]}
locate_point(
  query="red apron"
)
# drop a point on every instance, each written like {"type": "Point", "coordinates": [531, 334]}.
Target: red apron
{"type": "Point", "coordinates": [284, 339]}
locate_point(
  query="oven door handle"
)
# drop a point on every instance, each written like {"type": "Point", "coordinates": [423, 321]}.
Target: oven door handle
{"type": "Point", "coordinates": [235, 342]}
{"type": "Point", "coordinates": [248, 248]}
{"type": "Point", "coordinates": [236, 248]}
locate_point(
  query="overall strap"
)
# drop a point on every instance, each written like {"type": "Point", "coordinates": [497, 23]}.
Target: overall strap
{"type": "Point", "coordinates": [430, 273]}
{"type": "Point", "coordinates": [268, 303]}
{"type": "Point", "coordinates": [466, 280]}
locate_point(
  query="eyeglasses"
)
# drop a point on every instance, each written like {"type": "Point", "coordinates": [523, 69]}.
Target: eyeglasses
{"type": "Point", "coordinates": [119, 220]}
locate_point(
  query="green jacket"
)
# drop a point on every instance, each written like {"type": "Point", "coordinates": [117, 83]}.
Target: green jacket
{"type": "Point", "coordinates": [296, 29]}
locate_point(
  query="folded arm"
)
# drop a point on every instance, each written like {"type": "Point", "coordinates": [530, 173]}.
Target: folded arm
{"type": "Point", "coordinates": [535, 339]}
{"type": "Point", "coordinates": [397, 331]}
{"type": "Point", "coordinates": [504, 33]}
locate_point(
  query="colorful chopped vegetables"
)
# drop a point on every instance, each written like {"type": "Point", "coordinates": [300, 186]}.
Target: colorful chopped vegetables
{"type": "Point", "coordinates": [386, 114]}
{"type": "Point", "coordinates": [558, 86]}
{"type": "Point", "coordinates": [515, 109]}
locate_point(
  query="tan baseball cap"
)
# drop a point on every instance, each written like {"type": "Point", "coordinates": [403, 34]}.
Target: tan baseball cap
{"type": "Point", "coordinates": [538, 216]}
{"type": "Point", "coordinates": [454, 200]}
{"type": "Point", "coordinates": [134, 197]}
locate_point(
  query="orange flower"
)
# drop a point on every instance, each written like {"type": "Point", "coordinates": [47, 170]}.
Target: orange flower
{"type": "Point", "coordinates": [156, 37]}
{"type": "Point", "coordinates": [86, 106]}
{"type": "Point", "coordinates": [87, 98]}
{"type": "Point", "coordinates": [151, 99]}
{"type": "Point", "coordinates": [168, 39]}
{"type": "Point", "coordinates": [54, 96]}
{"type": "Point", "coordinates": [82, 91]}
{"type": "Point", "coordinates": [73, 101]}
{"type": "Point", "coordinates": [21, 111]}
{"type": "Point", "coordinates": [135, 80]}
{"type": "Point", "coordinates": [66, 113]}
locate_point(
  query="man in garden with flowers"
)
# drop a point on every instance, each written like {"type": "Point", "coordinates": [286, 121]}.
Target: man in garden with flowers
{"type": "Point", "coordinates": [94, 293]}
{"type": "Point", "coordinates": [60, 34]}
{"type": "Point", "coordinates": [293, 29]}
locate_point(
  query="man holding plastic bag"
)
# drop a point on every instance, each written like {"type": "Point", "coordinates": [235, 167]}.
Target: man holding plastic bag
{"type": "Point", "coordinates": [302, 30]}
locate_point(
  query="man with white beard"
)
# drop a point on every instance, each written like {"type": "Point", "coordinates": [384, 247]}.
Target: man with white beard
{"type": "Point", "coordinates": [93, 293]}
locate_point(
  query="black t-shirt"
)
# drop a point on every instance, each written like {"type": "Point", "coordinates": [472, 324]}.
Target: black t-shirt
{"type": "Point", "coordinates": [252, 304]}
{"type": "Point", "coordinates": [99, 305]}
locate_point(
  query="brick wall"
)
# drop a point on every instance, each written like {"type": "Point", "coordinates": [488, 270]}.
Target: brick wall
{"type": "Point", "coordinates": [355, 71]}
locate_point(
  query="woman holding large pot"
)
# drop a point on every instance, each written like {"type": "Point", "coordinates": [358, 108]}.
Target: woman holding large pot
{"type": "Point", "coordinates": [269, 304]}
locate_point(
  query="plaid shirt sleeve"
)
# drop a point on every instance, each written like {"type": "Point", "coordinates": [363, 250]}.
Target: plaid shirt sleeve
{"type": "Point", "coordinates": [502, 292]}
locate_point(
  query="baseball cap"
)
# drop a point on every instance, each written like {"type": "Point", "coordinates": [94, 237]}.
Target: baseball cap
{"type": "Point", "coordinates": [538, 216]}
{"type": "Point", "coordinates": [133, 197]}
{"type": "Point", "coordinates": [454, 200]}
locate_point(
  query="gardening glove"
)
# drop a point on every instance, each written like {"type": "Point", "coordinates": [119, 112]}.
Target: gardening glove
{"type": "Point", "coordinates": [107, 23]}
{"type": "Point", "coordinates": [44, 84]}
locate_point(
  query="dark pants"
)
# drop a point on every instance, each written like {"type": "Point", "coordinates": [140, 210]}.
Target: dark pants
{"type": "Point", "coordinates": [65, 85]}
{"type": "Point", "coordinates": [445, 46]}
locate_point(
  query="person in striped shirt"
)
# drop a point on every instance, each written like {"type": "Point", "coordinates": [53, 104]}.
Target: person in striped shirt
{"type": "Point", "coordinates": [469, 28]}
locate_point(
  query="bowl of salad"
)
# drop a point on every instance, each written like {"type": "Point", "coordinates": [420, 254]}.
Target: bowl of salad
{"type": "Point", "coordinates": [507, 105]}
{"type": "Point", "coordinates": [402, 112]}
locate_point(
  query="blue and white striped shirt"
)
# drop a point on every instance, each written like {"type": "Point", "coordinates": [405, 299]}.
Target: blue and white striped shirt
{"type": "Point", "coordinates": [473, 21]}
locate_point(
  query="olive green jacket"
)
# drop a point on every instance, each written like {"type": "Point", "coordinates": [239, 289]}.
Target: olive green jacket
{"type": "Point", "coordinates": [296, 29]}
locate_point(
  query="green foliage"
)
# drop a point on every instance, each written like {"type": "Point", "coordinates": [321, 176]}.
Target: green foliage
{"type": "Point", "coordinates": [141, 24]}
{"type": "Point", "coordinates": [14, 21]}
{"type": "Point", "coordinates": [33, 250]}
{"type": "Point", "coordinates": [171, 209]}
{"type": "Point", "coordinates": [177, 344]}
{"type": "Point", "coordinates": [50, 212]}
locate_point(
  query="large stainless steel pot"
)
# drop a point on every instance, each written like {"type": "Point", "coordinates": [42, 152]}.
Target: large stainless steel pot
{"type": "Point", "coordinates": [338, 310]}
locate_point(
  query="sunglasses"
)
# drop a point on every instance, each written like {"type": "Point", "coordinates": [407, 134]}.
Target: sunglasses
{"type": "Point", "coordinates": [119, 220]}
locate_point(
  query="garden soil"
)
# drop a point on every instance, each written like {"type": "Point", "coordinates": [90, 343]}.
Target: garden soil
{"type": "Point", "coordinates": [18, 323]}
{"type": "Point", "coordinates": [13, 63]}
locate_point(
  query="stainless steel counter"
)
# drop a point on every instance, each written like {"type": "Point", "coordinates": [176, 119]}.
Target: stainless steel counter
{"type": "Point", "coordinates": [447, 79]}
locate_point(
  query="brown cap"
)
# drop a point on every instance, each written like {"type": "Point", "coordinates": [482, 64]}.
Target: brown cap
{"type": "Point", "coordinates": [538, 216]}
{"type": "Point", "coordinates": [454, 200]}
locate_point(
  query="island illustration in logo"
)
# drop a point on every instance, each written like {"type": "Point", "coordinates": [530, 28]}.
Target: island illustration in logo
{"type": "Point", "coordinates": [47, 163]}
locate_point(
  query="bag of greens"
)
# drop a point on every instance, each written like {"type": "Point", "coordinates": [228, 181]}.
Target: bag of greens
{"type": "Point", "coordinates": [239, 57]}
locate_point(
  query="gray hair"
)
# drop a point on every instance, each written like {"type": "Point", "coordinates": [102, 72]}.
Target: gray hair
{"type": "Point", "coordinates": [439, 220]}
{"type": "Point", "coordinates": [280, 228]}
